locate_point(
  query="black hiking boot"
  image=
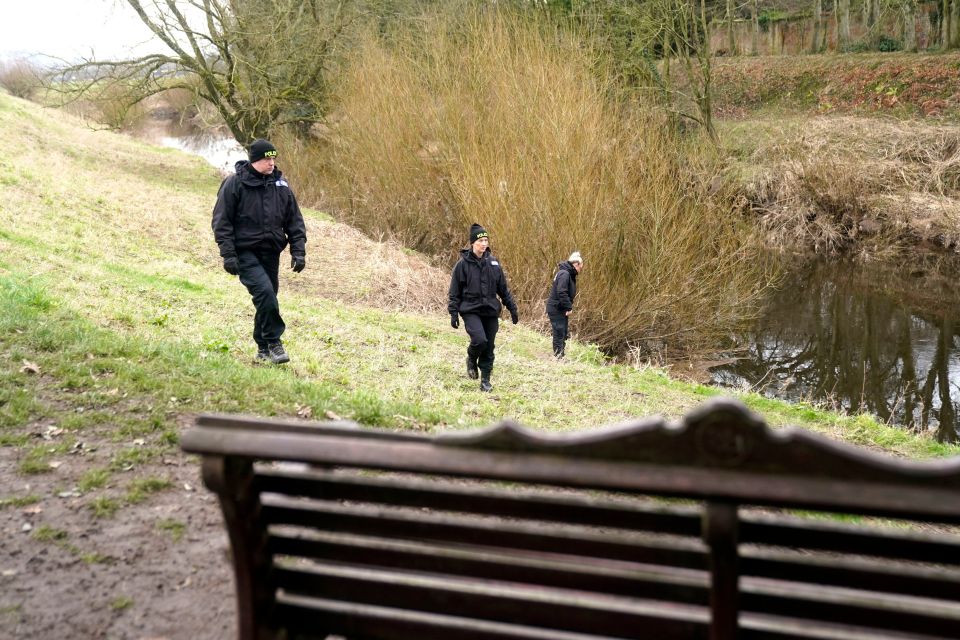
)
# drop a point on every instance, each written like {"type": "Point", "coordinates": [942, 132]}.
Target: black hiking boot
{"type": "Point", "coordinates": [277, 354]}
{"type": "Point", "coordinates": [263, 355]}
{"type": "Point", "coordinates": [485, 384]}
{"type": "Point", "coordinates": [472, 372]}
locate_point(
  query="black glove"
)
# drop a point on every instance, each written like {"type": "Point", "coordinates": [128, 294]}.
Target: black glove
{"type": "Point", "coordinates": [454, 321]}
{"type": "Point", "coordinates": [514, 317]}
{"type": "Point", "coordinates": [230, 265]}
{"type": "Point", "coordinates": [297, 263]}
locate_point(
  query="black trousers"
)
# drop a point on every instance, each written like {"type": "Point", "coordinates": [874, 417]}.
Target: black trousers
{"type": "Point", "coordinates": [483, 337]}
{"type": "Point", "coordinates": [561, 330]}
{"type": "Point", "coordinates": [259, 273]}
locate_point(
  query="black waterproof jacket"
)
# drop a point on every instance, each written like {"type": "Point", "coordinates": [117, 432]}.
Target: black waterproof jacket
{"type": "Point", "coordinates": [259, 212]}
{"type": "Point", "coordinates": [564, 289]}
{"type": "Point", "coordinates": [476, 284]}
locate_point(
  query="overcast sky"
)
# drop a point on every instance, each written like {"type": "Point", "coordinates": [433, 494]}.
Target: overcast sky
{"type": "Point", "coordinates": [71, 29]}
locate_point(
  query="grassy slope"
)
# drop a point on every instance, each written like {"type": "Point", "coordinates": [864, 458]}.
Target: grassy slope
{"type": "Point", "coordinates": [110, 284]}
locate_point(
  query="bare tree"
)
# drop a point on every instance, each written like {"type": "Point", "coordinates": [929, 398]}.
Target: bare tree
{"type": "Point", "coordinates": [909, 10]}
{"type": "Point", "coordinates": [259, 63]}
{"type": "Point", "coordinates": [817, 26]}
{"type": "Point", "coordinates": [843, 25]}
{"type": "Point", "coordinates": [731, 35]}
{"type": "Point", "coordinates": [754, 27]}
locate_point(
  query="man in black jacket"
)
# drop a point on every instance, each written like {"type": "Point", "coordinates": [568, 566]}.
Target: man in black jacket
{"type": "Point", "coordinates": [477, 281]}
{"type": "Point", "coordinates": [560, 302]}
{"type": "Point", "coordinates": [255, 216]}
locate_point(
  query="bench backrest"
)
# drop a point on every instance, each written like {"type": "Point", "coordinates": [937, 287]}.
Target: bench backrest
{"type": "Point", "coordinates": [698, 529]}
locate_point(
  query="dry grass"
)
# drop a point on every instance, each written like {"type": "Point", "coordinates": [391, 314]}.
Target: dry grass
{"type": "Point", "coordinates": [497, 120]}
{"type": "Point", "coordinates": [871, 187]}
{"type": "Point", "coordinates": [357, 270]}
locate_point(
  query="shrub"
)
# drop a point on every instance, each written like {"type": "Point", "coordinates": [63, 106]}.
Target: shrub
{"type": "Point", "coordinates": [21, 78]}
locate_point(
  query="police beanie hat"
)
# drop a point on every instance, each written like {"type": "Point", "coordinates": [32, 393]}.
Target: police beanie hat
{"type": "Point", "coordinates": [477, 232]}
{"type": "Point", "coordinates": [575, 257]}
{"type": "Point", "coordinates": [261, 149]}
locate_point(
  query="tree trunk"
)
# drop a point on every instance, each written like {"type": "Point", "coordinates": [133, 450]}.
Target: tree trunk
{"type": "Point", "coordinates": [731, 37]}
{"type": "Point", "coordinates": [817, 26]}
{"type": "Point", "coordinates": [909, 25]}
{"type": "Point", "coordinates": [843, 31]}
{"type": "Point", "coordinates": [945, 25]}
{"type": "Point", "coordinates": [954, 24]}
{"type": "Point", "coordinates": [755, 28]}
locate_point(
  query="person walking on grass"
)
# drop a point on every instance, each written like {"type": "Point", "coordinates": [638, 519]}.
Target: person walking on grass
{"type": "Point", "coordinates": [255, 216]}
{"type": "Point", "coordinates": [477, 282]}
{"type": "Point", "coordinates": [560, 301]}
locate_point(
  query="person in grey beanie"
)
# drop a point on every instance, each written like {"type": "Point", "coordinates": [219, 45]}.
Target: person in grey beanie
{"type": "Point", "coordinates": [476, 284]}
{"type": "Point", "coordinates": [255, 217]}
{"type": "Point", "coordinates": [560, 301]}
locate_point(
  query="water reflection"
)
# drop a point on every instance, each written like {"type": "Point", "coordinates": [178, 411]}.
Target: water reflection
{"type": "Point", "coordinates": [167, 127]}
{"type": "Point", "coordinates": [859, 340]}
{"type": "Point", "coordinates": [221, 152]}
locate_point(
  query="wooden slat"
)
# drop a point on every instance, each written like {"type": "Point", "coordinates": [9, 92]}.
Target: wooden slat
{"type": "Point", "coordinates": [843, 538]}
{"type": "Point", "coordinates": [884, 499]}
{"type": "Point", "coordinates": [689, 554]}
{"type": "Point", "coordinates": [316, 617]}
{"type": "Point", "coordinates": [855, 607]}
{"type": "Point", "coordinates": [903, 578]}
{"type": "Point", "coordinates": [570, 508]}
{"type": "Point", "coordinates": [639, 581]}
{"type": "Point", "coordinates": [754, 626]}
{"type": "Point", "coordinates": [564, 610]}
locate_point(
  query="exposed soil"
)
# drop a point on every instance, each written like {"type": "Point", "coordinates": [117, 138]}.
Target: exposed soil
{"type": "Point", "coordinates": [146, 581]}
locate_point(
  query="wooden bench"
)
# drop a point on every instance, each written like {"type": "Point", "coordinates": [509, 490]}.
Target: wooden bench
{"type": "Point", "coordinates": [713, 527]}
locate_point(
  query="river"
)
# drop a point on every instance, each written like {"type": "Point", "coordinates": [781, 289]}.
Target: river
{"type": "Point", "coordinates": [856, 338]}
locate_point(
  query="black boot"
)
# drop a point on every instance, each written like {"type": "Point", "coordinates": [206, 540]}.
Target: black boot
{"type": "Point", "coordinates": [485, 382]}
{"type": "Point", "coordinates": [277, 354]}
{"type": "Point", "coordinates": [472, 371]}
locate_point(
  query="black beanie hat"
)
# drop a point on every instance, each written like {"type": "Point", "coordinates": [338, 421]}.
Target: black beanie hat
{"type": "Point", "coordinates": [262, 149]}
{"type": "Point", "coordinates": [477, 232]}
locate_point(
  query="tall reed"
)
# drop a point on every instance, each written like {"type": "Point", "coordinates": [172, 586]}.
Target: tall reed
{"type": "Point", "coordinates": [496, 119]}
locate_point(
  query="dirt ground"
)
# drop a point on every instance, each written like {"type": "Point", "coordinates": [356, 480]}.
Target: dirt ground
{"type": "Point", "coordinates": [145, 581]}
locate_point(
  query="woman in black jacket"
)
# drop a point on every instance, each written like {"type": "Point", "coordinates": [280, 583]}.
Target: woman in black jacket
{"type": "Point", "coordinates": [475, 286]}
{"type": "Point", "coordinates": [560, 302]}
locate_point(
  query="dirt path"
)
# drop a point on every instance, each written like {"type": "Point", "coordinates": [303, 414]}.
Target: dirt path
{"type": "Point", "coordinates": [154, 569]}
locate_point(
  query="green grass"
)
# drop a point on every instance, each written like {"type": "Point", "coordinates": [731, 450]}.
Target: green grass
{"type": "Point", "coordinates": [19, 501]}
{"type": "Point", "coordinates": [84, 286]}
{"type": "Point", "coordinates": [175, 528]}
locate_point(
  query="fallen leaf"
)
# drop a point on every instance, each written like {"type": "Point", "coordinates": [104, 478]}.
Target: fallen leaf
{"type": "Point", "coordinates": [30, 367]}
{"type": "Point", "coordinates": [55, 464]}
{"type": "Point", "coordinates": [33, 510]}
{"type": "Point", "coordinates": [187, 486]}
{"type": "Point", "coordinates": [305, 412]}
{"type": "Point", "coordinates": [139, 442]}
{"type": "Point", "coordinates": [331, 415]}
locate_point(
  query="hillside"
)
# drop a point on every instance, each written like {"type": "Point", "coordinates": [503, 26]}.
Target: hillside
{"type": "Point", "coordinates": [118, 326]}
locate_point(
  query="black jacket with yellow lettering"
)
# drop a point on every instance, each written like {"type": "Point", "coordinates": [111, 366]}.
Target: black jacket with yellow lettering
{"type": "Point", "coordinates": [259, 212]}
{"type": "Point", "coordinates": [476, 284]}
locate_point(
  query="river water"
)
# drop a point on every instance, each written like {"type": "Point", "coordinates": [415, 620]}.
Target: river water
{"type": "Point", "coordinates": [858, 339]}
